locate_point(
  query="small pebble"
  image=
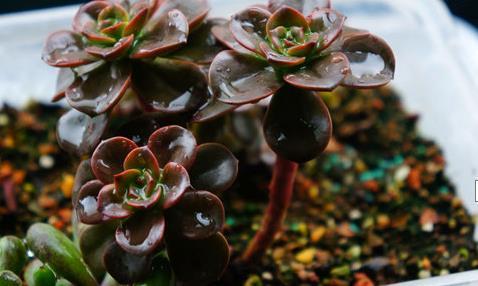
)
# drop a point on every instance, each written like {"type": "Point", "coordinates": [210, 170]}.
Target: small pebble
{"type": "Point", "coordinates": [306, 256]}
{"type": "Point", "coordinates": [46, 162]}
{"type": "Point", "coordinates": [424, 274]}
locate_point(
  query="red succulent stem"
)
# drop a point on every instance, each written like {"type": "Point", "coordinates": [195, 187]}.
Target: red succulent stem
{"type": "Point", "coordinates": [9, 195]}
{"type": "Point", "coordinates": [280, 194]}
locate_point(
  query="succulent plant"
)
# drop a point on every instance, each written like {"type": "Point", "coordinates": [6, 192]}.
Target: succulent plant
{"type": "Point", "coordinates": [282, 52]}
{"type": "Point", "coordinates": [163, 190]}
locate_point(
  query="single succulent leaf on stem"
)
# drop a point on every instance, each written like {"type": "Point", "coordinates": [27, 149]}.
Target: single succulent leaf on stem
{"type": "Point", "coordinates": [8, 278]}
{"type": "Point", "coordinates": [38, 274]}
{"type": "Point", "coordinates": [52, 247]}
{"type": "Point", "coordinates": [13, 254]}
{"type": "Point", "coordinates": [280, 194]}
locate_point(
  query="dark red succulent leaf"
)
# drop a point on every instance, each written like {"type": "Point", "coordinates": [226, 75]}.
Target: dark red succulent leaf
{"type": "Point", "coordinates": [298, 129]}
{"type": "Point", "coordinates": [107, 160]}
{"type": "Point", "coordinates": [111, 203]}
{"type": "Point", "coordinates": [66, 77]}
{"type": "Point", "coordinates": [125, 267]}
{"type": "Point", "coordinates": [148, 122]}
{"type": "Point", "coordinates": [135, 25]}
{"type": "Point", "coordinates": [173, 144]}
{"type": "Point", "coordinates": [215, 168]}
{"type": "Point", "coordinates": [142, 233]}
{"type": "Point", "coordinates": [142, 158]}
{"type": "Point", "coordinates": [77, 133]}
{"type": "Point", "coordinates": [372, 62]}
{"type": "Point", "coordinates": [99, 90]}
{"type": "Point", "coordinates": [198, 215]}
{"type": "Point", "coordinates": [222, 33]}
{"type": "Point", "coordinates": [324, 74]}
{"type": "Point", "coordinates": [87, 15]}
{"type": "Point", "coordinates": [161, 35]}
{"type": "Point", "coordinates": [279, 60]}
{"type": "Point", "coordinates": [286, 24]}
{"type": "Point", "coordinates": [83, 175]}
{"type": "Point", "coordinates": [202, 46]}
{"type": "Point", "coordinates": [304, 6]}
{"type": "Point", "coordinates": [169, 86]}
{"type": "Point", "coordinates": [249, 27]}
{"type": "Point", "coordinates": [328, 24]}
{"type": "Point", "coordinates": [65, 49]}
{"type": "Point", "coordinates": [212, 109]}
{"type": "Point", "coordinates": [175, 181]}
{"type": "Point", "coordinates": [198, 262]}
{"type": "Point", "coordinates": [119, 49]}
{"type": "Point", "coordinates": [194, 10]}
{"type": "Point", "coordinates": [302, 50]}
{"type": "Point", "coordinates": [87, 204]}
{"type": "Point", "coordinates": [238, 79]}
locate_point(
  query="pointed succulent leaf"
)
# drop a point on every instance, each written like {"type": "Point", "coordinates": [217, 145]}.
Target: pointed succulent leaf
{"type": "Point", "coordinates": [372, 62]}
{"type": "Point", "coordinates": [125, 267]}
{"type": "Point", "coordinates": [162, 35]}
{"type": "Point", "coordinates": [13, 254]}
{"type": "Point", "coordinates": [110, 203]}
{"type": "Point", "coordinates": [297, 117]}
{"type": "Point", "coordinates": [173, 144]}
{"type": "Point", "coordinates": [136, 23]}
{"type": "Point", "coordinates": [199, 214]}
{"type": "Point", "coordinates": [324, 74]}
{"type": "Point", "coordinates": [99, 90]}
{"type": "Point", "coordinates": [249, 27]}
{"type": "Point", "coordinates": [176, 181]}
{"type": "Point", "coordinates": [304, 6]}
{"type": "Point", "coordinates": [215, 168]}
{"type": "Point", "coordinates": [87, 205]}
{"type": "Point", "coordinates": [328, 23]}
{"type": "Point", "coordinates": [194, 10]}
{"type": "Point", "coordinates": [202, 46]}
{"type": "Point", "coordinates": [65, 49]}
{"type": "Point", "coordinates": [280, 60]}
{"type": "Point", "coordinates": [113, 52]}
{"type": "Point", "coordinates": [108, 158]}
{"type": "Point", "coordinates": [240, 79]}
{"type": "Point", "coordinates": [169, 86]}
{"type": "Point", "coordinates": [52, 247]}
{"type": "Point", "coordinates": [38, 274]}
{"type": "Point", "coordinates": [8, 278]}
{"type": "Point", "coordinates": [212, 109]}
{"type": "Point", "coordinates": [142, 233]}
{"type": "Point", "coordinates": [66, 77]}
{"type": "Point", "coordinates": [78, 133]}
{"type": "Point", "coordinates": [199, 262]}
{"type": "Point", "coordinates": [142, 158]}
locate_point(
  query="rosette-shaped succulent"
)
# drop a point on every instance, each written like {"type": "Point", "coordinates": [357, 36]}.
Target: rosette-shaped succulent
{"type": "Point", "coordinates": [162, 190]}
{"type": "Point", "coordinates": [282, 51]}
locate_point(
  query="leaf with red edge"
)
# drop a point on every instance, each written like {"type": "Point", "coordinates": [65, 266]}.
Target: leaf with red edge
{"type": "Point", "coordinates": [110, 203]}
{"type": "Point", "coordinates": [304, 6]}
{"type": "Point", "coordinates": [142, 233]}
{"type": "Point", "coordinates": [222, 33]}
{"type": "Point", "coordinates": [113, 11]}
{"type": "Point", "coordinates": [249, 27]}
{"type": "Point", "coordinates": [162, 35]}
{"type": "Point", "coordinates": [280, 60]}
{"type": "Point", "coordinates": [328, 23]}
{"type": "Point", "coordinates": [212, 109]}
{"type": "Point", "coordinates": [198, 215]}
{"type": "Point", "coordinates": [87, 15]}
{"type": "Point", "coordinates": [173, 144]}
{"type": "Point", "coordinates": [125, 267]}
{"type": "Point", "coordinates": [194, 10]}
{"type": "Point", "coordinates": [324, 74]}
{"type": "Point", "coordinates": [287, 17]}
{"type": "Point", "coordinates": [65, 49]}
{"type": "Point", "coordinates": [108, 158]}
{"type": "Point", "coordinates": [169, 86]}
{"type": "Point", "coordinates": [78, 133]}
{"type": "Point", "coordinates": [136, 23]}
{"type": "Point", "coordinates": [83, 175]}
{"type": "Point", "coordinates": [176, 181]}
{"type": "Point", "coordinates": [142, 158]}
{"type": "Point", "coordinates": [198, 262]}
{"type": "Point", "coordinates": [202, 46]}
{"type": "Point", "coordinates": [153, 191]}
{"type": "Point", "coordinates": [87, 204]}
{"type": "Point", "coordinates": [101, 89]}
{"type": "Point", "coordinates": [215, 168]}
{"type": "Point", "coordinates": [372, 62]}
{"type": "Point", "coordinates": [239, 79]}
{"type": "Point", "coordinates": [66, 77]}
{"type": "Point", "coordinates": [302, 50]}
{"type": "Point", "coordinates": [297, 117]}
{"type": "Point", "coordinates": [110, 53]}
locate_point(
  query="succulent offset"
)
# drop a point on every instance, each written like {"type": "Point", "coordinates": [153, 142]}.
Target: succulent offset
{"type": "Point", "coordinates": [278, 50]}
{"type": "Point", "coordinates": [162, 190]}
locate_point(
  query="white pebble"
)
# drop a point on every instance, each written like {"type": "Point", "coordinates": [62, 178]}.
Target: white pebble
{"type": "Point", "coordinates": [428, 227]}
{"type": "Point", "coordinates": [401, 173]}
{"type": "Point", "coordinates": [267, 276]}
{"type": "Point", "coordinates": [355, 214]}
{"type": "Point", "coordinates": [46, 162]}
{"type": "Point", "coordinates": [424, 274]}
{"type": "Point", "coordinates": [444, 272]}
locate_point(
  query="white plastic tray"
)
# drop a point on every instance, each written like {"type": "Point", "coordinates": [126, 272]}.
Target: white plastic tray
{"type": "Point", "coordinates": [437, 64]}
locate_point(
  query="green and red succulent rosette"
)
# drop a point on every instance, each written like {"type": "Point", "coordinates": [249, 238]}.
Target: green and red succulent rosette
{"type": "Point", "coordinates": [292, 49]}
{"type": "Point", "coordinates": [161, 194]}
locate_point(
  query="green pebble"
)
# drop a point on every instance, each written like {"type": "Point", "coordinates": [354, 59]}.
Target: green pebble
{"type": "Point", "coordinates": [341, 271]}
